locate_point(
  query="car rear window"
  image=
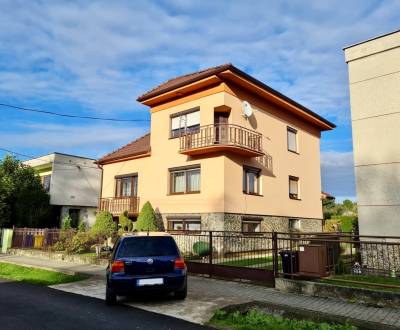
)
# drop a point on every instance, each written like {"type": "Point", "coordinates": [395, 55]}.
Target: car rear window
{"type": "Point", "coordinates": [147, 246]}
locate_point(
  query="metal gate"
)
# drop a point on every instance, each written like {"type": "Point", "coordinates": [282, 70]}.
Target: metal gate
{"type": "Point", "coordinates": [233, 255]}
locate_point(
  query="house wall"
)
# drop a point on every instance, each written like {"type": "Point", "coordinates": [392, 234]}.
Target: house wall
{"type": "Point", "coordinates": [221, 174]}
{"type": "Point", "coordinates": [374, 78]}
{"type": "Point", "coordinates": [74, 181]}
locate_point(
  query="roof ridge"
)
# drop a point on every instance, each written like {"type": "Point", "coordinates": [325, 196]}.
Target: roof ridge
{"type": "Point", "coordinates": [124, 146]}
{"type": "Point", "coordinates": [185, 76]}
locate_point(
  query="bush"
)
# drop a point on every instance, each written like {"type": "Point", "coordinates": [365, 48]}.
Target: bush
{"type": "Point", "coordinates": [82, 226]}
{"type": "Point", "coordinates": [125, 223]}
{"type": "Point", "coordinates": [81, 242]}
{"type": "Point", "coordinates": [67, 222]}
{"type": "Point", "coordinates": [147, 219]}
{"type": "Point", "coordinates": [59, 246]}
{"type": "Point", "coordinates": [104, 225]}
{"type": "Point", "coordinates": [202, 249]}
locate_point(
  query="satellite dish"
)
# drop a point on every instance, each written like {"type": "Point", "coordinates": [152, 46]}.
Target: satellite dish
{"type": "Point", "coordinates": [247, 110]}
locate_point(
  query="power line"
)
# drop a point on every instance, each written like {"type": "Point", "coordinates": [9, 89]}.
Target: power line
{"type": "Point", "coordinates": [69, 115]}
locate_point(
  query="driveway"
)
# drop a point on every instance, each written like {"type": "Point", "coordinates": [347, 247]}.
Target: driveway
{"type": "Point", "coordinates": [26, 306]}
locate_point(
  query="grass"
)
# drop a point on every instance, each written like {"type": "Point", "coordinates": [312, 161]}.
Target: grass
{"type": "Point", "coordinates": [254, 320]}
{"type": "Point", "coordinates": [247, 262]}
{"type": "Point", "coordinates": [35, 275]}
{"type": "Point", "coordinates": [346, 222]}
{"type": "Point", "coordinates": [366, 282]}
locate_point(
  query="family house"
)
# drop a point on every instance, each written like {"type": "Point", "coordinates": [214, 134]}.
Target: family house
{"type": "Point", "coordinates": [73, 184]}
{"type": "Point", "coordinates": [225, 152]}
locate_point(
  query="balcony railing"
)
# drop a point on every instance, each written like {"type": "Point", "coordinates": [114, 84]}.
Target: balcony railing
{"type": "Point", "coordinates": [219, 137]}
{"type": "Point", "coordinates": [118, 205]}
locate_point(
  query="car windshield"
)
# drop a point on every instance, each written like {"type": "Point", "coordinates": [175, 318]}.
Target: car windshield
{"type": "Point", "coordinates": [147, 246]}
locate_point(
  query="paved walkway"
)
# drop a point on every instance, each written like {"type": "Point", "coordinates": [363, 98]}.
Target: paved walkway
{"type": "Point", "coordinates": [206, 295]}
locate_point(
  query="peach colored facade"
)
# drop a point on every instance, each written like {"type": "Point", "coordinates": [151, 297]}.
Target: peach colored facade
{"type": "Point", "coordinates": [221, 202]}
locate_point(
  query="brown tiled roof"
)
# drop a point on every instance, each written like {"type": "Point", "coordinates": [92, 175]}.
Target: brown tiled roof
{"type": "Point", "coordinates": [135, 148]}
{"type": "Point", "coordinates": [183, 80]}
{"type": "Point", "coordinates": [192, 77]}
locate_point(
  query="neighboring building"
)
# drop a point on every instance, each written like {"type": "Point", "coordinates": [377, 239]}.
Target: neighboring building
{"type": "Point", "coordinates": [374, 77]}
{"type": "Point", "coordinates": [73, 184]}
{"type": "Point", "coordinates": [206, 166]}
{"type": "Point", "coordinates": [326, 197]}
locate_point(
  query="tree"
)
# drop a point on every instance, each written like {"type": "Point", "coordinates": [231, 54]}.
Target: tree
{"type": "Point", "coordinates": [23, 201]}
{"type": "Point", "coordinates": [146, 220]}
{"type": "Point", "coordinates": [104, 225]}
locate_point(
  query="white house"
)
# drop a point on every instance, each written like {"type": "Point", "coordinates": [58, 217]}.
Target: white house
{"type": "Point", "coordinates": [73, 183]}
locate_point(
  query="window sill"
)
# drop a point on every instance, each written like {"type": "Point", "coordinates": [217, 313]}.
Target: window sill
{"type": "Point", "coordinates": [295, 198]}
{"type": "Point", "coordinates": [184, 193]}
{"type": "Point", "coordinates": [251, 194]}
{"type": "Point", "coordinates": [294, 152]}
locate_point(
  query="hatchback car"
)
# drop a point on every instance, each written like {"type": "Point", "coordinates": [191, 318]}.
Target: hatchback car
{"type": "Point", "coordinates": [145, 261]}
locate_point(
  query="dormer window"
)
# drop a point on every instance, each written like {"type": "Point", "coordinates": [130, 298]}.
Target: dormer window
{"type": "Point", "coordinates": [185, 122]}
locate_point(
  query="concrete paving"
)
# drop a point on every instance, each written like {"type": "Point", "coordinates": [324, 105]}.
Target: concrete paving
{"type": "Point", "coordinates": [206, 295]}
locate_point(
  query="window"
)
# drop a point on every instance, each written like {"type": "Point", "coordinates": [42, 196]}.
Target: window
{"type": "Point", "coordinates": [126, 186]}
{"type": "Point", "coordinates": [293, 187]}
{"type": "Point", "coordinates": [185, 180]}
{"type": "Point", "coordinates": [147, 246]}
{"type": "Point", "coordinates": [294, 224]}
{"type": "Point", "coordinates": [292, 139]}
{"type": "Point", "coordinates": [46, 180]}
{"type": "Point", "coordinates": [185, 122]}
{"type": "Point", "coordinates": [191, 224]}
{"type": "Point", "coordinates": [251, 180]}
{"type": "Point", "coordinates": [251, 225]}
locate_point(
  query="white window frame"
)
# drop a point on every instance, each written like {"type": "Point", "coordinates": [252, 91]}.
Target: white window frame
{"type": "Point", "coordinates": [293, 131]}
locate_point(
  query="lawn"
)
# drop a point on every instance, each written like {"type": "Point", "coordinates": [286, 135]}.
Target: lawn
{"type": "Point", "coordinates": [35, 275]}
{"type": "Point", "coordinates": [247, 262]}
{"type": "Point", "coordinates": [366, 282]}
{"type": "Point", "coordinates": [254, 320]}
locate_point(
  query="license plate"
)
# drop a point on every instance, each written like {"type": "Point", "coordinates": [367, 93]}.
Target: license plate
{"type": "Point", "coordinates": [150, 281]}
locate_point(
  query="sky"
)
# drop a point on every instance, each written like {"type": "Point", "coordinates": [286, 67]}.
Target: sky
{"type": "Point", "coordinates": [94, 58]}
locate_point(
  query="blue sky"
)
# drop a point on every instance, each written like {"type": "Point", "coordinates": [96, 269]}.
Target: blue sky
{"type": "Point", "coordinates": [95, 58]}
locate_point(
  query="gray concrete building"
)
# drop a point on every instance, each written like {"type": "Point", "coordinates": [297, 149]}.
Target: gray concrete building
{"type": "Point", "coordinates": [374, 80]}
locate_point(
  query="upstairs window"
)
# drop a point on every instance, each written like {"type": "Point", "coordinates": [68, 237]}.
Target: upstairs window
{"type": "Point", "coordinates": [251, 225]}
{"type": "Point", "coordinates": [292, 139]}
{"type": "Point", "coordinates": [185, 122]}
{"type": "Point", "coordinates": [251, 180]}
{"type": "Point", "coordinates": [293, 187]}
{"type": "Point", "coordinates": [126, 186]}
{"type": "Point", "coordinates": [185, 180]}
{"type": "Point", "coordinates": [46, 180]}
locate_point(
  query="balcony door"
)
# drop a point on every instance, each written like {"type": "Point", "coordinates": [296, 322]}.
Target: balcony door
{"type": "Point", "coordinates": [221, 127]}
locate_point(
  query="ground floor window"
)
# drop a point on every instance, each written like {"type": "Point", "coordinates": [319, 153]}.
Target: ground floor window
{"type": "Point", "coordinates": [184, 224]}
{"type": "Point", "coordinates": [294, 224]}
{"type": "Point", "coordinates": [251, 225]}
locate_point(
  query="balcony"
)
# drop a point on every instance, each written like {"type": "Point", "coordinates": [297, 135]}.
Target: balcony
{"type": "Point", "coordinates": [222, 137]}
{"type": "Point", "coordinates": [118, 205]}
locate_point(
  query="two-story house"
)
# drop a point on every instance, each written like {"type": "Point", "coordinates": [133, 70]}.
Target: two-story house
{"type": "Point", "coordinates": [226, 152]}
{"type": "Point", "coordinates": [73, 184]}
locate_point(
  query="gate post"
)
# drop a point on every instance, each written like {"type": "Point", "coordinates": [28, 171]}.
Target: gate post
{"type": "Point", "coordinates": [275, 253]}
{"type": "Point", "coordinates": [210, 248]}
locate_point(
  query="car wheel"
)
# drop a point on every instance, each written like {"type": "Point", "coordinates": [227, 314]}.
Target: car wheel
{"type": "Point", "coordinates": [111, 297]}
{"type": "Point", "coordinates": [181, 294]}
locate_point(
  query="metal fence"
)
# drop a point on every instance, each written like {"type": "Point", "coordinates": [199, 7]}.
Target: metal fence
{"type": "Point", "coordinates": [35, 238]}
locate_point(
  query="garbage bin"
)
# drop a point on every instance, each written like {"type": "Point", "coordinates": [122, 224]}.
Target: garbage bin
{"type": "Point", "coordinates": [290, 263]}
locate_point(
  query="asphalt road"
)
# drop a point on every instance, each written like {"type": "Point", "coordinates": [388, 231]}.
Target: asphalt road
{"type": "Point", "coordinates": [26, 306]}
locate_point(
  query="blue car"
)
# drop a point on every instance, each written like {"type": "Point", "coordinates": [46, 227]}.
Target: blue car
{"type": "Point", "coordinates": [145, 261]}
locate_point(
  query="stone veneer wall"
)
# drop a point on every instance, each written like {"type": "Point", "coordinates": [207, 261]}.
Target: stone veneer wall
{"type": "Point", "coordinates": [233, 221]}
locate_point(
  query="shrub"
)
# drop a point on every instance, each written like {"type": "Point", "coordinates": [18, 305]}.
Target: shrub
{"type": "Point", "coordinates": [147, 219]}
{"type": "Point", "coordinates": [125, 223]}
{"type": "Point", "coordinates": [59, 246]}
{"type": "Point", "coordinates": [67, 222]}
{"type": "Point", "coordinates": [80, 243]}
{"type": "Point", "coordinates": [202, 249]}
{"type": "Point", "coordinates": [104, 225]}
{"type": "Point", "coordinates": [82, 226]}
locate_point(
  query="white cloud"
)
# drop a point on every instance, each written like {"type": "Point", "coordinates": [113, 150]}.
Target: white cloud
{"type": "Point", "coordinates": [337, 169]}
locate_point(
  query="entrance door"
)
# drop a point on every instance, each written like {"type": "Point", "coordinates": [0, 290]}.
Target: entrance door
{"type": "Point", "coordinates": [221, 126]}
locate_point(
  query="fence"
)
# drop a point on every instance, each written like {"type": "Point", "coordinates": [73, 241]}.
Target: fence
{"type": "Point", "coordinates": [257, 256]}
{"type": "Point", "coordinates": [34, 238]}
